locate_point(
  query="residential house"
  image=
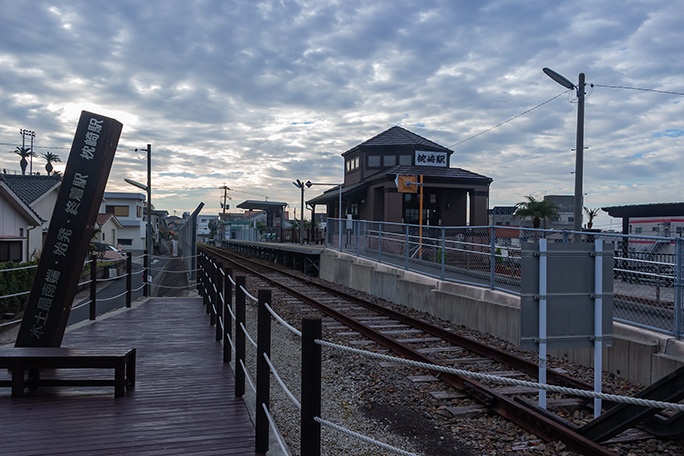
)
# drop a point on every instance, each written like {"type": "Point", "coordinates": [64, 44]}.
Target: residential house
{"type": "Point", "coordinates": [128, 209]}
{"type": "Point", "coordinates": [26, 206]}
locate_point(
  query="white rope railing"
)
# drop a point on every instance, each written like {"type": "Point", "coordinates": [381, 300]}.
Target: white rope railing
{"type": "Point", "coordinates": [112, 297]}
{"type": "Point", "coordinates": [13, 322]}
{"type": "Point", "coordinates": [85, 283]}
{"type": "Point", "coordinates": [109, 279]}
{"type": "Point", "coordinates": [271, 422]}
{"type": "Point", "coordinates": [363, 437]}
{"type": "Point", "coordinates": [281, 383]}
{"type": "Point", "coordinates": [248, 295]}
{"type": "Point", "coordinates": [82, 305]}
{"type": "Point", "coordinates": [249, 379]}
{"type": "Point", "coordinates": [177, 288]}
{"type": "Point", "coordinates": [508, 381]}
{"type": "Point", "coordinates": [140, 287]}
{"type": "Point", "coordinates": [283, 322]}
{"type": "Point", "coordinates": [15, 294]}
{"type": "Point", "coordinates": [244, 330]}
{"type": "Point", "coordinates": [20, 268]}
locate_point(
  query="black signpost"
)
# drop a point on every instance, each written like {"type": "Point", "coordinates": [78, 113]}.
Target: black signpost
{"type": "Point", "coordinates": [71, 228]}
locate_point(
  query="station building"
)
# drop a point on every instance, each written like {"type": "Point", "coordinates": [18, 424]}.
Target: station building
{"type": "Point", "coordinates": [451, 196]}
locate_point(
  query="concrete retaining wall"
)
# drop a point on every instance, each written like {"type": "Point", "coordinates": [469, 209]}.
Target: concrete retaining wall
{"type": "Point", "coordinates": [638, 355]}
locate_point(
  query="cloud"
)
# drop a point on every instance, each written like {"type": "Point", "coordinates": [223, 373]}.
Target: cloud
{"type": "Point", "coordinates": [256, 94]}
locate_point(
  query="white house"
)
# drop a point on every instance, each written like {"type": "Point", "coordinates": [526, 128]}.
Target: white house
{"type": "Point", "coordinates": [26, 206]}
{"type": "Point", "coordinates": [128, 209]}
{"type": "Point", "coordinates": [109, 227]}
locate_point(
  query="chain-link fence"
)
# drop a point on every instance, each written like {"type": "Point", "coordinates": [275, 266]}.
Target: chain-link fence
{"type": "Point", "coordinates": [647, 272]}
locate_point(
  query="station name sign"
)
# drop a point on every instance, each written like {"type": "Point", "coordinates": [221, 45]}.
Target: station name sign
{"type": "Point", "coordinates": [71, 228]}
{"type": "Point", "coordinates": [431, 158]}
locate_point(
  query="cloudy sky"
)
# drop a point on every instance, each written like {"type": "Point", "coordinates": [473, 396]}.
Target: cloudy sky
{"type": "Point", "coordinates": [254, 94]}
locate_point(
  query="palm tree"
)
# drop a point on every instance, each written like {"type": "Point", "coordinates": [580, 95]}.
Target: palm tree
{"type": "Point", "coordinates": [538, 210]}
{"type": "Point", "coordinates": [591, 214]}
{"type": "Point", "coordinates": [50, 158]}
{"type": "Point", "coordinates": [24, 153]}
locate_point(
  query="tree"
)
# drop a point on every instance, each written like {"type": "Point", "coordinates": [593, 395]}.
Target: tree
{"type": "Point", "coordinates": [213, 229]}
{"type": "Point", "coordinates": [50, 158]}
{"type": "Point", "coordinates": [538, 210]}
{"type": "Point", "coordinates": [591, 214]}
{"type": "Point", "coordinates": [24, 153]}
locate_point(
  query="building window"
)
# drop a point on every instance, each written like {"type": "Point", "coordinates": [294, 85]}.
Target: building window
{"type": "Point", "coordinates": [125, 241]}
{"type": "Point", "coordinates": [389, 160]}
{"type": "Point", "coordinates": [638, 230]}
{"type": "Point", "coordinates": [571, 219]}
{"type": "Point", "coordinates": [352, 164]}
{"type": "Point", "coordinates": [373, 161]}
{"type": "Point", "coordinates": [406, 159]}
{"type": "Point", "coordinates": [21, 232]}
{"type": "Point", "coordinates": [655, 229]}
{"type": "Point", "coordinates": [119, 211]}
{"type": "Point", "coordinates": [139, 211]}
{"type": "Point", "coordinates": [10, 251]}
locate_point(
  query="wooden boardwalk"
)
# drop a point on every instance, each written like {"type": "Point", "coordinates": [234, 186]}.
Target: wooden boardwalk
{"type": "Point", "coordinates": [183, 402]}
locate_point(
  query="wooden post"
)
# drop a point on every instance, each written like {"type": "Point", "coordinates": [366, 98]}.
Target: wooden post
{"type": "Point", "coordinates": [263, 395]}
{"type": "Point", "coordinates": [129, 279]}
{"type": "Point", "coordinates": [211, 290]}
{"type": "Point", "coordinates": [240, 282]}
{"type": "Point", "coordinates": [227, 318]}
{"type": "Point", "coordinates": [311, 387]}
{"type": "Point", "coordinates": [146, 274]}
{"type": "Point", "coordinates": [93, 287]}
{"type": "Point", "coordinates": [220, 298]}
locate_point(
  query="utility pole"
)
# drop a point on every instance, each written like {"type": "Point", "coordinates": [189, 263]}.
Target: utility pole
{"type": "Point", "coordinates": [223, 217]}
{"type": "Point", "coordinates": [32, 134]}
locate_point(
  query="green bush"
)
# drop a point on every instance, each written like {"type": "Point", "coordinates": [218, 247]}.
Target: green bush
{"type": "Point", "coordinates": [12, 282]}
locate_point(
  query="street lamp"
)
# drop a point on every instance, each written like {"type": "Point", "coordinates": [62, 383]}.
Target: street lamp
{"type": "Point", "coordinates": [24, 133]}
{"type": "Point", "coordinates": [299, 184]}
{"type": "Point", "coordinates": [148, 189]}
{"type": "Point", "coordinates": [579, 151]}
{"type": "Point", "coordinates": [309, 184]}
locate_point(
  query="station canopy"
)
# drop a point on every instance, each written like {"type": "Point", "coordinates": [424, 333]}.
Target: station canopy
{"type": "Point", "coordinates": [262, 205]}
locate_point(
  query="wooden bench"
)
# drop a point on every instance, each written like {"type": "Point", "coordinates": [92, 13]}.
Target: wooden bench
{"type": "Point", "coordinates": [31, 359]}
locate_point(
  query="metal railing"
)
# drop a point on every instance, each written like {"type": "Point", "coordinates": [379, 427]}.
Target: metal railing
{"type": "Point", "coordinates": [648, 270]}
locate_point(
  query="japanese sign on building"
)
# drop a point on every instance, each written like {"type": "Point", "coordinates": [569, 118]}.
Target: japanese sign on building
{"type": "Point", "coordinates": [431, 158]}
{"type": "Point", "coordinates": [70, 230]}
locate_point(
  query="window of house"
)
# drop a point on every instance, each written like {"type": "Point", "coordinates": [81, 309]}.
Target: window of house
{"type": "Point", "coordinates": [389, 160]}
{"type": "Point", "coordinates": [405, 160]}
{"type": "Point", "coordinates": [10, 251]}
{"type": "Point", "coordinates": [655, 229]}
{"type": "Point", "coordinates": [571, 219]}
{"type": "Point", "coordinates": [21, 232]}
{"type": "Point", "coordinates": [119, 211]}
{"type": "Point", "coordinates": [356, 162]}
{"type": "Point", "coordinates": [638, 230]}
{"type": "Point", "coordinates": [125, 241]}
{"type": "Point", "coordinates": [373, 161]}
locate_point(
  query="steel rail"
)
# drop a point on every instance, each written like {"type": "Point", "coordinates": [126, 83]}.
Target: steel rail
{"type": "Point", "coordinates": [528, 419]}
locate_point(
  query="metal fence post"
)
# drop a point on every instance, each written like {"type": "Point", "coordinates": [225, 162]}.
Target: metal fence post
{"type": "Point", "coordinates": [379, 242]}
{"type": "Point", "coordinates": [408, 248]}
{"type": "Point", "coordinates": [220, 321]}
{"type": "Point", "coordinates": [492, 262]}
{"type": "Point", "coordinates": [129, 279]}
{"type": "Point", "coordinates": [93, 287]}
{"type": "Point", "coordinates": [227, 318]}
{"type": "Point", "coordinates": [443, 272]}
{"type": "Point", "coordinates": [678, 305]}
{"type": "Point", "coordinates": [263, 395]}
{"type": "Point", "coordinates": [240, 282]}
{"type": "Point", "coordinates": [311, 387]}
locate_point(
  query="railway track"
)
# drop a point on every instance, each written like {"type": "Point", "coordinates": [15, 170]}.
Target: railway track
{"type": "Point", "coordinates": [418, 340]}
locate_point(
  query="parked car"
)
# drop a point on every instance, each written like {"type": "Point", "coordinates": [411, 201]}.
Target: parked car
{"type": "Point", "coordinates": [107, 251]}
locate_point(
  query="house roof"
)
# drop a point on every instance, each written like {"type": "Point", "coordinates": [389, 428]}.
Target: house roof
{"type": "Point", "coordinates": [102, 219]}
{"type": "Point", "coordinates": [20, 206]}
{"type": "Point", "coordinates": [435, 174]}
{"type": "Point", "coordinates": [646, 210]}
{"type": "Point", "coordinates": [398, 136]}
{"type": "Point", "coordinates": [503, 210]}
{"type": "Point", "coordinates": [31, 188]}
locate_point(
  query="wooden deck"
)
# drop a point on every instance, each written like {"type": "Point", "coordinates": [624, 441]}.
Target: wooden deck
{"type": "Point", "coordinates": [183, 401]}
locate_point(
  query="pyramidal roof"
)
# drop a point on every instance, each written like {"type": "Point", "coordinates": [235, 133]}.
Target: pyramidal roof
{"type": "Point", "coordinates": [398, 136]}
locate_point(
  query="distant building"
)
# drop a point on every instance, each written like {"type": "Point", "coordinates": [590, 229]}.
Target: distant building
{"type": "Point", "coordinates": [26, 206]}
{"type": "Point", "coordinates": [203, 222]}
{"type": "Point", "coordinates": [369, 192]}
{"type": "Point", "coordinates": [128, 209]}
{"type": "Point", "coordinates": [503, 216]}
{"type": "Point", "coordinates": [566, 212]}
{"type": "Point", "coordinates": [652, 220]}
{"type": "Point", "coordinates": [109, 227]}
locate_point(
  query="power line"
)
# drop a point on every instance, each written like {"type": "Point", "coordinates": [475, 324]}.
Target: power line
{"type": "Point", "coordinates": [637, 88]}
{"type": "Point", "coordinates": [508, 120]}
